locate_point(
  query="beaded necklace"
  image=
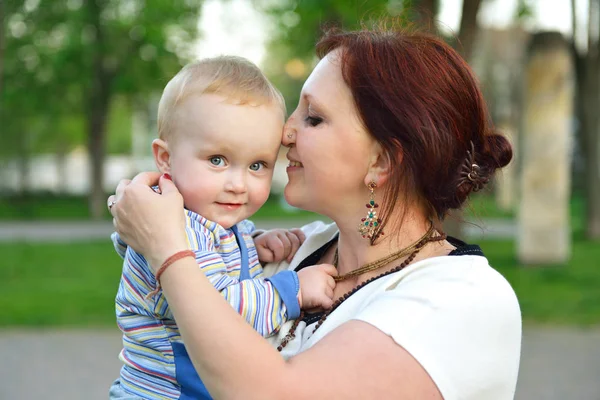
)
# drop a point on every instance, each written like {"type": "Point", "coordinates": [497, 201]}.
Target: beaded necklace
{"type": "Point", "coordinates": [372, 266]}
{"type": "Point", "coordinates": [292, 333]}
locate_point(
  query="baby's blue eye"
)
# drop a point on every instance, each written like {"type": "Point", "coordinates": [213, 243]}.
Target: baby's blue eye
{"type": "Point", "coordinates": [217, 161]}
{"type": "Point", "coordinates": [256, 166]}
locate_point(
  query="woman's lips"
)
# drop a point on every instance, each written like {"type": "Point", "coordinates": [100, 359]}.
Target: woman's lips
{"type": "Point", "coordinates": [294, 166]}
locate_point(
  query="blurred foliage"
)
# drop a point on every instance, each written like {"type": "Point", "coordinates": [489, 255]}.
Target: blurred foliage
{"type": "Point", "coordinates": [299, 24]}
{"type": "Point", "coordinates": [55, 51]}
{"type": "Point", "coordinates": [524, 9]}
{"type": "Point", "coordinates": [66, 61]}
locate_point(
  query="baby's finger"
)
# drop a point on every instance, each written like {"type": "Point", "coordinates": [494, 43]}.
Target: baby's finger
{"type": "Point", "coordinates": [277, 248]}
{"type": "Point", "coordinates": [329, 292]}
{"type": "Point", "coordinates": [265, 254]}
{"type": "Point", "coordinates": [329, 269]}
{"type": "Point", "coordinates": [331, 282]}
{"type": "Point", "coordinates": [298, 232]}
{"type": "Point", "coordinates": [326, 302]}
{"type": "Point", "coordinates": [295, 244]}
{"type": "Point", "coordinates": [285, 243]}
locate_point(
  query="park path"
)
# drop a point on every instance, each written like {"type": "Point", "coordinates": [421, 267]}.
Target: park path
{"type": "Point", "coordinates": [72, 231]}
{"type": "Point", "coordinates": [556, 364]}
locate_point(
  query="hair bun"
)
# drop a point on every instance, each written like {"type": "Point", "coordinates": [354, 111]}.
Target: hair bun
{"type": "Point", "coordinates": [496, 153]}
{"type": "Point", "coordinates": [480, 164]}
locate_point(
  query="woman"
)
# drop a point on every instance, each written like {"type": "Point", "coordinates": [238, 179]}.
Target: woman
{"type": "Point", "coordinates": [386, 118]}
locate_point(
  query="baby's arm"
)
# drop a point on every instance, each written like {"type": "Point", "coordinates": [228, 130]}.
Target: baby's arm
{"type": "Point", "coordinates": [265, 303]}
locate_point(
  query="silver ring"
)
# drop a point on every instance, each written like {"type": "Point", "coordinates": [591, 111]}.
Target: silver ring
{"type": "Point", "coordinates": [111, 203]}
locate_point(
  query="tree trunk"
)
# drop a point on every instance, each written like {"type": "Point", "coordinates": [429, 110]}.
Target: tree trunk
{"type": "Point", "coordinates": [453, 225]}
{"type": "Point", "coordinates": [23, 163]}
{"type": "Point", "coordinates": [468, 27]}
{"type": "Point", "coordinates": [98, 105]}
{"type": "Point", "coordinates": [96, 126]}
{"type": "Point", "coordinates": [61, 168]}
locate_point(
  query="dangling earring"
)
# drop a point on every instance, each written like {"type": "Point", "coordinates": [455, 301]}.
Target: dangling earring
{"type": "Point", "coordinates": [369, 226]}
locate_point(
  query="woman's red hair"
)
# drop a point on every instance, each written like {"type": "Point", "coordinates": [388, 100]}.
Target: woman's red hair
{"type": "Point", "coordinates": [420, 100]}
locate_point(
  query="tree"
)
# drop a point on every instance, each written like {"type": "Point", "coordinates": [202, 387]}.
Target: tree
{"type": "Point", "coordinates": [90, 52]}
{"type": "Point", "coordinates": [298, 27]}
{"type": "Point", "coordinates": [127, 44]}
{"type": "Point", "coordinates": [16, 60]}
{"type": "Point", "coordinates": [588, 94]}
{"type": "Point", "coordinates": [468, 27]}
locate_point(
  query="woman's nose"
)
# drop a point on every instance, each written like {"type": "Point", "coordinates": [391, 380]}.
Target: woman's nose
{"type": "Point", "coordinates": [289, 133]}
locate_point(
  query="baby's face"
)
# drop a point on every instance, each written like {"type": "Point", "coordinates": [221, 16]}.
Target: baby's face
{"type": "Point", "coordinates": [222, 156]}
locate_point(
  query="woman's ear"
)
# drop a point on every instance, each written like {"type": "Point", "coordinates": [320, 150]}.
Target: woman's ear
{"type": "Point", "coordinates": [380, 166]}
{"type": "Point", "coordinates": [162, 157]}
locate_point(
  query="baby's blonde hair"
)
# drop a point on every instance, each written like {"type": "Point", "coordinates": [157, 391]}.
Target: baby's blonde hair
{"type": "Point", "coordinates": [233, 77]}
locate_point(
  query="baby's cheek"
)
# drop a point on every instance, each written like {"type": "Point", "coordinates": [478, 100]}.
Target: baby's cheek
{"type": "Point", "coordinates": [261, 194]}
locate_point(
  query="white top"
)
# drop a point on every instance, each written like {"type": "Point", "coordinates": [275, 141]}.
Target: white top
{"type": "Point", "coordinates": [457, 316]}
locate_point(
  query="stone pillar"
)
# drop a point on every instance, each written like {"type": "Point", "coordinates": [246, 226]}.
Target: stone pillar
{"type": "Point", "coordinates": [544, 230]}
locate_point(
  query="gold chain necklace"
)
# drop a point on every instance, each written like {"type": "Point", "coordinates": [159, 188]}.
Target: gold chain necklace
{"type": "Point", "coordinates": [417, 247]}
{"type": "Point", "coordinates": [372, 266]}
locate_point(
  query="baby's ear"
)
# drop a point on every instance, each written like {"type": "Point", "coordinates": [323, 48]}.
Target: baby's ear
{"type": "Point", "coordinates": [162, 157]}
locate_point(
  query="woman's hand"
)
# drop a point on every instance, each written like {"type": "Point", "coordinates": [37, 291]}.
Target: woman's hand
{"type": "Point", "coordinates": [152, 224]}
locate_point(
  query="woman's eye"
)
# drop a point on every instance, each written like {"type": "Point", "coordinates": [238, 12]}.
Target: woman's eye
{"type": "Point", "coordinates": [257, 166]}
{"type": "Point", "coordinates": [313, 121]}
{"type": "Point", "coordinates": [217, 161]}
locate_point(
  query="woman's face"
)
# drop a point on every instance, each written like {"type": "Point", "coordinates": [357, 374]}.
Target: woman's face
{"type": "Point", "coordinates": [330, 150]}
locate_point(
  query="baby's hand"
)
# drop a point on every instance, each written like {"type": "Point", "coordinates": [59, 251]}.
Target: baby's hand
{"type": "Point", "coordinates": [278, 244]}
{"type": "Point", "coordinates": [316, 286]}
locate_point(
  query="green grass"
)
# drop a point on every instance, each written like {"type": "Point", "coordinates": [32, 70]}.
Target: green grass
{"type": "Point", "coordinates": [67, 285]}
{"type": "Point", "coordinates": [44, 207]}
{"type": "Point", "coordinates": [560, 294]}
{"type": "Point", "coordinates": [483, 205]}
{"type": "Point", "coordinates": [75, 285]}
{"type": "Point", "coordinates": [50, 207]}
{"type": "Point", "coordinates": [58, 284]}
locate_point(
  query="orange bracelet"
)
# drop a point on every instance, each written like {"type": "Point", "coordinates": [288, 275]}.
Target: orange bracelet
{"type": "Point", "coordinates": [175, 257]}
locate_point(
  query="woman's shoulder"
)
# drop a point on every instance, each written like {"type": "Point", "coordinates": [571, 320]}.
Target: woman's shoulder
{"type": "Point", "coordinates": [455, 279]}
{"type": "Point", "coordinates": [459, 318]}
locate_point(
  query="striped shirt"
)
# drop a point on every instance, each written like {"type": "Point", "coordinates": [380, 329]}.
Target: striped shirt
{"type": "Point", "coordinates": [156, 364]}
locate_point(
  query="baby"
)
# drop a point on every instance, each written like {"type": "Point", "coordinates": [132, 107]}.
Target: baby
{"type": "Point", "coordinates": [219, 123]}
